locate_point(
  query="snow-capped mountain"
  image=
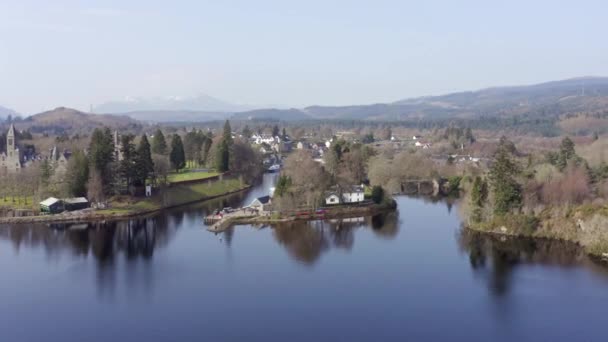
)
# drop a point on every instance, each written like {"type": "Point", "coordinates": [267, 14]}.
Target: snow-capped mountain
{"type": "Point", "coordinates": [200, 102]}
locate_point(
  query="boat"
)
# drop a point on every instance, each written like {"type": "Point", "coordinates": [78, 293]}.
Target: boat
{"type": "Point", "coordinates": [274, 168]}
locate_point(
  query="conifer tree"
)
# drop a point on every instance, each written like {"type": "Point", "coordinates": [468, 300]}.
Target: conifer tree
{"type": "Point", "coordinates": [506, 189]}
{"type": "Point", "coordinates": [177, 155]}
{"type": "Point", "coordinates": [144, 166]}
{"type": "Point", "coordinates": [159, 144]}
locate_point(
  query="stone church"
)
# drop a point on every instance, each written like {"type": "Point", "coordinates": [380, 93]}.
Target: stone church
{"type": "Point", "coordinates": [10, 161]}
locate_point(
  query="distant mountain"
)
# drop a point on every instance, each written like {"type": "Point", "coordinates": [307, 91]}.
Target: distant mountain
{"type": "Point", "coordinates": [199, 103]}
{"type": "Point", "coordinates": [177, 116]}
{"type": "Point", "coordinates": [551, 99]}
{"type": "Point", "coordinates": [5, 112]}
{"type": "Point", "coordinates": [557, 97]}
{"type": "Point", "coordinates": [66, 119]}
{"type": "Point", "coordinates": [273, 114]}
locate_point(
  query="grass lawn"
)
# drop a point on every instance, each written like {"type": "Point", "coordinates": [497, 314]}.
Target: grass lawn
{"type": "Point", "coordinates": [189, 193]}
{"type": "Point", "coordinates": [190, 175]}
{"type": "Point", "coordinates": [176, 195]}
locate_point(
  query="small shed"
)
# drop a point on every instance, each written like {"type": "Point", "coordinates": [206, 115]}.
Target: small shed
{"type": "Point", "coordinates": [76, 203]}
{"type": "Point", "coordinates": [51, 205]}
{"type": "Point", "coordinates": [332, 198]}
{"type": "Point", "coordinates": [261, 203]}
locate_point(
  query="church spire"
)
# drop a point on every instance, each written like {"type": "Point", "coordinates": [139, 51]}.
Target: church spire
{"type": "Point", "coordinates": [10, 141]}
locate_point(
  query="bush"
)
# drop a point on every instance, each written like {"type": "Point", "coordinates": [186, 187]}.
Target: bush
{"type": "Point", "coordinates": [454, 185]}
{"type": "Point", "coordinates": [377, 194]}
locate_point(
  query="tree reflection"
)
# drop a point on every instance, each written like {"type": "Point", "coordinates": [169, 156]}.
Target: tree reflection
{"type": "Point", "coordinates": [386, 225]}
{"type": "Point", "coordinates": [494, 258]}
{"type": "Point", "coordinates": [307, 241]}
{"type": "Point", "coordinates": [304, 241]}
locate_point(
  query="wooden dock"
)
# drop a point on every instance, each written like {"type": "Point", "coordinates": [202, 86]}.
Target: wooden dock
{"type": "Point", "coordinates": [221, 222]}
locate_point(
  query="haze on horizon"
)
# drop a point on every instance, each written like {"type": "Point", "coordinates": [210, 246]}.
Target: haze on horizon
{"type": "Point", "coordinates": [77, 54]}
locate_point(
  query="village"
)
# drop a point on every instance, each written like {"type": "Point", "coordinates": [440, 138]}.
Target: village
{"type": "Point", "coordinates": [334, 155]}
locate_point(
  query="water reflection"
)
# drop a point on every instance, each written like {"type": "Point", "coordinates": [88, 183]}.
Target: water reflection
{"type": "Point", "coordinates": [305, 242]}
{"type": "Point", "coordinates": [134, 238]}
{"type": "Point", "coordinates": [495, 258]}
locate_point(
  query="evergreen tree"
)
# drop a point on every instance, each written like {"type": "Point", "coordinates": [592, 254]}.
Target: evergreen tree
{"type": "Point", "coordinates": [222, 159]}
{"type": "Point", "coordinates": [144, 166]}
{"type": "Point", "coordinates": [247, 132]}
{"type": "Point", "coordinates": [567, 153]}
{"type": "Point", "coordinates": [468, 135]}
{"type": "Point", "coordinates": [159, 144]}
{"type": "Point", "coordinates": [101, 156]}
{"type": "Point", "coordinates": [503, 173]}
{"type": "Point", "coordinates": [479, 192]}
{"type": "Point", "coordinates": [377, 194]}
{"type": "Point", "coordinates": [77, 174]}
{"type": "Point", "coordinates": [275, 131]}
{"type": "Point", "coordinates": [284, 135]}
{"type": "Point", "coordinates": [46, 172]}
{"type": "Point", "coordinates": [205, 150]}
{"type": "Point", "coordinates": [127, 167]}
{"type": "Point", "coordinates": [177, 155]}
{"type": "Point", "coordinates": [227, 136]}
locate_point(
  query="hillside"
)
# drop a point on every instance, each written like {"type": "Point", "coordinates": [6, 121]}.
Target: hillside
{"type": "Point", "coordinates": [66, 119]}
{"type": "Point", "coordinates": [576, 105]}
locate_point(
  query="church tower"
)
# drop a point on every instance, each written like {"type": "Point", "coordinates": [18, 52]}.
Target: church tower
{"type": "Point", "coordinates": [10, 142]}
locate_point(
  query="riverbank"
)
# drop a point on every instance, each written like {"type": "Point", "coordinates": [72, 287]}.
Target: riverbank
{"type": "Point", "coordinates": [122, 207]}
{"type": "Point", "coordinates": [585, 225]}
{"type": "Point", "coordinates": [339, 212]}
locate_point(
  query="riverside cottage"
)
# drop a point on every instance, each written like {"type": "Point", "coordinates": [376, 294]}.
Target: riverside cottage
{"type": "Point", "coordinates": [349, 195]}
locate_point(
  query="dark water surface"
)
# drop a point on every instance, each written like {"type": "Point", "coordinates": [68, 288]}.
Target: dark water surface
{"type": "Point", "coordinates": [413, 275]}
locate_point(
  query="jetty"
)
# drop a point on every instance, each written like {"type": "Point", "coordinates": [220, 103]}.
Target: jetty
{"type": "Point", "coordinates": [220, 221]}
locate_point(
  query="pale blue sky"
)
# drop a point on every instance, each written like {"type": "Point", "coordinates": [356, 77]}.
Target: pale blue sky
{"type": "Point", "coordinates": [77, 53]}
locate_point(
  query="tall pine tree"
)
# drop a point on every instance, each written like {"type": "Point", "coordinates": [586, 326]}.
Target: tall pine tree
{"type": "Point", "coordinates": [144, 166]}
{"type": "Point", "coordinates": [159, 144]}
{"type": "Point", "coordinates": [101, 157]}
{"type": "Point", "coordinates": [177, 155]}
{"type": "Point", "coordinates": [127, 166]}
{"type": "Point", "coordinates": [506, 189]}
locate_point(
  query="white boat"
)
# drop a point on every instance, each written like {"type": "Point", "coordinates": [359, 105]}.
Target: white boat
{"type": "Point", "coordinates": [274, 168]}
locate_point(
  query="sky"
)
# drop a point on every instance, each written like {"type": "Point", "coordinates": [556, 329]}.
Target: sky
{"type": "Point", "coordinates": [290, 53]}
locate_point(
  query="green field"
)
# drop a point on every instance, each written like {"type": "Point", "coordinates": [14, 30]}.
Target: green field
{"type": "Point", "coordinates": [190, 176]}
{"type": "Point", "coordinates": [174, 196]}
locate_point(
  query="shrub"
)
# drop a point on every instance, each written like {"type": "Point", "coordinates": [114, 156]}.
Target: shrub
{"type": "Point", "coordinates": [377, 194]}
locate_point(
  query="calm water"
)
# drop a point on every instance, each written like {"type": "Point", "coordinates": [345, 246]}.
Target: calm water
{"type": "Point", "coordinates": [412, 275]}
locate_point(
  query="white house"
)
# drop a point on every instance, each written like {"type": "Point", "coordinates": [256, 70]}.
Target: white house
{"type": "Point", "coordinates": [264, 138]}
{"type": "Point", "coordinates": [261, 203]}
{"type": "Point", "coordinates": [355, 194]}
{"type": "Point", "coordinates": [332, 198]}
{"type": "Point", "coordinates": [422, 144]}
{"type": "Point", "coordinates": [352, 194]}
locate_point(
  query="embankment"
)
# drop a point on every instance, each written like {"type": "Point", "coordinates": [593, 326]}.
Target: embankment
{"type": "Point", "coordinates": [585, 225]}
{"type": "Point", "coordinates": [122, 207]}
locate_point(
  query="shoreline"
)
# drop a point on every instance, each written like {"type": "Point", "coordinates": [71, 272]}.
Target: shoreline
{"type": "Point", "coordinates": [541, 235]}
{"type": "Point", "coordinates": [99, 215]}
{"type": "Point", "coordinates": [330, 213]}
